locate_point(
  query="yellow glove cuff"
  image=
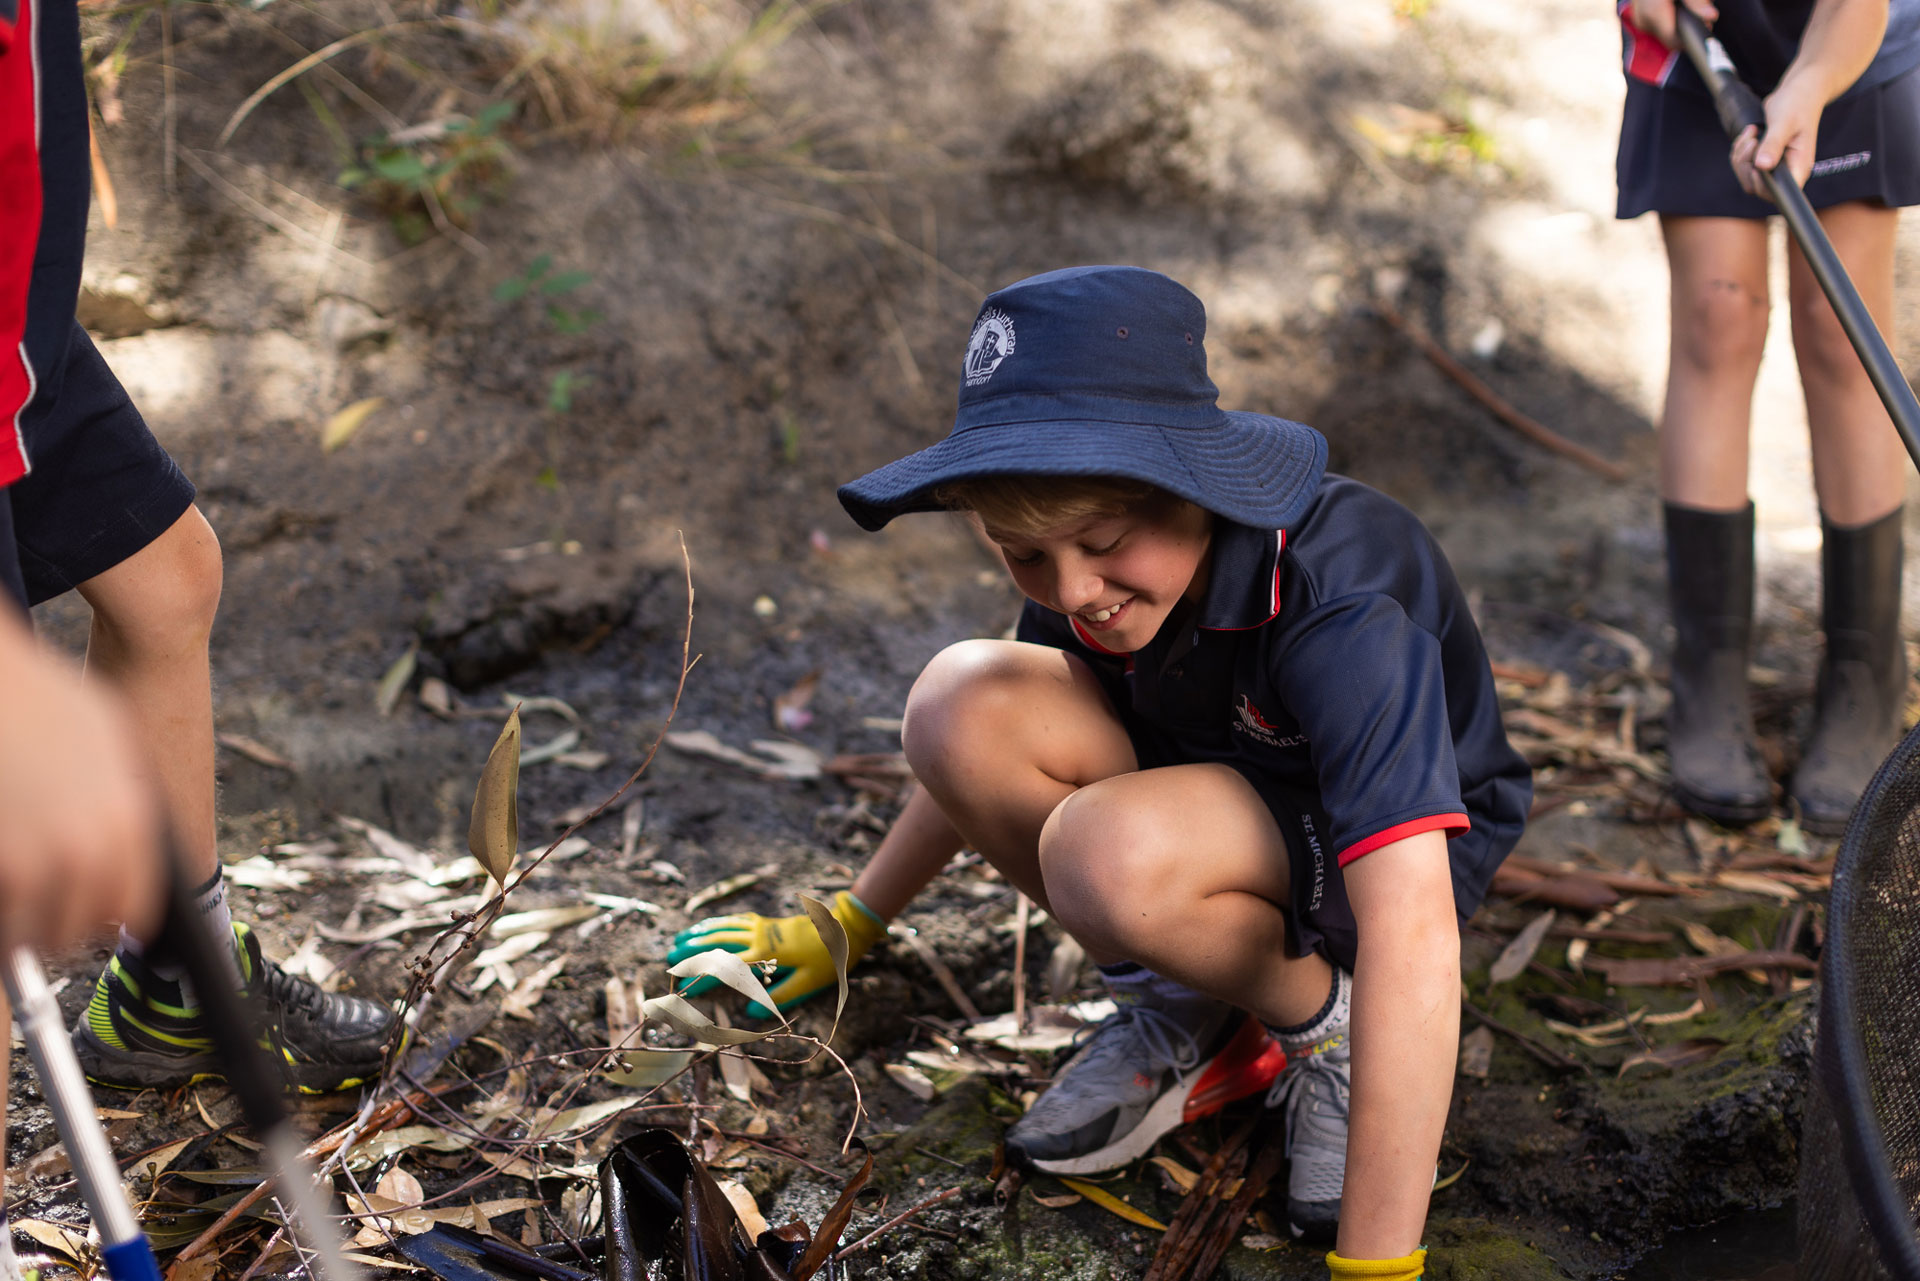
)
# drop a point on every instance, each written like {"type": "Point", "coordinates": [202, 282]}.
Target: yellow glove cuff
{"type": "Point", "coordinates": [863, 927]}
{"type": "Point", "coordinates": [1407, 1269]}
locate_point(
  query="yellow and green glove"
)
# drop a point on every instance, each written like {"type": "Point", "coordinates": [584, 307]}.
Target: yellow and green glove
{"type": "Point", "coordinates": [803, 967]}
{"type": "Point", "coordinates": [1407, 1269]}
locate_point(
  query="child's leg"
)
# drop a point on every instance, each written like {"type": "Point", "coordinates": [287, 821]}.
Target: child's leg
{"type": "Point", "coordinates": [1859, 465]}
{"type": "Point", "coordinates": [1185, 870]}
{"type": "Point", "coordinates": [999, 733]}
{"type": "Point", "coordinates": [1860, 472]}
{"type": "Point", "coordinates": [152, 621]}
{"type": "Point", "coordinates": [1719, 320]}
{"type": "Point", "coordinates": [1718, 311]}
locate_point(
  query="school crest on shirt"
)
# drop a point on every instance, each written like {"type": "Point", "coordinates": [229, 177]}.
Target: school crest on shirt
{"type": "Point", "coordinates": [992, 342]}
{"type": "Point", "coordinates": [1248, 720]}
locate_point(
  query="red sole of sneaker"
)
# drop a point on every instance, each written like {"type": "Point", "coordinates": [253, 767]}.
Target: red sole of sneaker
{"type": "Point", "coordinates": [1246, 1065]}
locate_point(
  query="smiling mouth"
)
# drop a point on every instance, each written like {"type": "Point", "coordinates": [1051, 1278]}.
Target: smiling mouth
{"type": "Point", "coordinates": [1107, 614]}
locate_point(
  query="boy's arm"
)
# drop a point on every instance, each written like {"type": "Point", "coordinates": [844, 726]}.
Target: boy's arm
{"type": "Point", "coordinates": [1406, 1036]}
{"type": "Point", "coordinates": [916, 847]}
{"type": "Point", "coordinates": [919, 844]}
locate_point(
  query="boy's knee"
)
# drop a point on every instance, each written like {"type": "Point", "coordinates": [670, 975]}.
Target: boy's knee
{"type": "Point", "coordinates": [1720, 325]}
{"type": "Point", "coordinates": [959, 693]}
{"type": "Point", "coordinates": [1102, 857]}
{"type": "Point", "coordinates": [168, 590]}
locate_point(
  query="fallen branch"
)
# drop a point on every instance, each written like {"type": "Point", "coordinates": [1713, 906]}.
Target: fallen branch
{"type": "Point", "coordinates": [384, 1118]}
{"type": "Point", "coordinates": [894, 1222]}
{"type": "Point", "coordinates": [1500, 409]}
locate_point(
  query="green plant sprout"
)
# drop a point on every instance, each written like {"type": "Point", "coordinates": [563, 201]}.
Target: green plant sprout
{"type": "Point", "coordinates": [430, 175]}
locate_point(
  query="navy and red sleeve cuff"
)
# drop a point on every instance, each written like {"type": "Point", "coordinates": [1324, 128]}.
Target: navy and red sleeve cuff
{"type": "Point", "coordinates": [1453, 824]}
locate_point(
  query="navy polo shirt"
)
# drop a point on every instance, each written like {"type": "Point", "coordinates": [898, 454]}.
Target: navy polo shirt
{"type": "Point", "coordinates": [1335, 661]}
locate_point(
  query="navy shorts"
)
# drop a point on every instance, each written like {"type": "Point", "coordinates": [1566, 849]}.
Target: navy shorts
{"type": "Point", "coordinates": [1673, 152]}
{"type": "Point", "coordinates": [100, 486]}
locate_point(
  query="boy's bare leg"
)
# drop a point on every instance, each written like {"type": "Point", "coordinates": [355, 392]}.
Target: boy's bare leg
{"type": "Point", "coordinates": [1180, 869]}
{"type": "Point", "coordinates": [152, 621]}
{"type": "Point", "coordinates": [1184, 870]}
{"type": "Point", "coordinates": [999, 733]}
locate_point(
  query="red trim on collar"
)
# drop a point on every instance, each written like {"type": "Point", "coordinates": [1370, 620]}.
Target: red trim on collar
{"type": "Point", "coordinates": [1273, 596]}
{"type": "Point", "coordinates": [1086, 638]}
{"type": "Point", "coordinates": [1455, 824]}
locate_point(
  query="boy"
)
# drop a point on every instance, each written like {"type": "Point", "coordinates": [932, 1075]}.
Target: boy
{"type": "Point", "coordinates": [1246, 750]}
{"type": "Point", "coordinates": [90, 502]}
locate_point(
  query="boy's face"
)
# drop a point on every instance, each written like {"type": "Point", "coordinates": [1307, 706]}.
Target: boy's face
{"type": "Point", "coordinates": [1120, 576]}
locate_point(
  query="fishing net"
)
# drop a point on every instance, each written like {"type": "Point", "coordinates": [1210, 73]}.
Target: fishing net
{"type": "Point", "coordinates": [1860, 1142]}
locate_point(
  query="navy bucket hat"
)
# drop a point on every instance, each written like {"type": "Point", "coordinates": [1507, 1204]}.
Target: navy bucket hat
{"type": "Point", "coordinates": [1102, 371]}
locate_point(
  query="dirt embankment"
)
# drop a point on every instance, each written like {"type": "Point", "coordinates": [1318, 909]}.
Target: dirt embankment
{"type": "Point", "coordinates": [746, 273]}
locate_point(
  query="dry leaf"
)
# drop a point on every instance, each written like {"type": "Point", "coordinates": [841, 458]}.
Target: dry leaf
{"type": "Point", "coordinates": [1056, 1202]}
{"type": "Point", "coordinates": [743, 1205]}
{"type": "Point", "coordinates": [553, 749]}
{"type": "Point", "coordinates": [645, 1069]}
{"type": "Point", "coordinates": [690, 1022]}
{"type": "Point", "coordinates": [541, 920]}
{"type": "Point", "coordinates": [1064, 968]}
{"type": "Point", "coordinates": [1476, 1052]}
{"type": "Point", "coordinates": [725, 967]}
{"type": "Point", "coordinates": [1749, 883]}
{"type": "Point", "coordinates": [254, 750]}
{"type": "Point", "coordinates": [394, 683]}
{"type": "Point", "coordinates": [833, 936]}
{"type": "Point", "coordinates": [1514, 958]}
{"type": "Point", "coordinates": [494, 833]}
{"type": "Point", "coordinates": [400, 1187]}
{"type": "Point", "coordinates": [436, 696]}
{"type": "Point", "coordinates": [912, 1080]}
{"type": "Point", "coordinates": [722, 889]}
{"type": "Point", "coordinates": [510, 951]}
{"type": "Point", "coordinates": [1112, 1204]}
{"type": "Point", "coordinates": [1681, 1054]}
{"type": "Point", "coordinates": [790, 760]}
{"type": "Point", "coordinates": [341, 427]}
{"type": "Point", "coordinates": [526, 994]}
{"type": "Point", "coordinates": [1049, 1027]}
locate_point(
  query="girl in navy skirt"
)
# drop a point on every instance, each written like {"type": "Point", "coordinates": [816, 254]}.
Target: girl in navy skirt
{"type": "Point", "coordinates": [1841, 84]}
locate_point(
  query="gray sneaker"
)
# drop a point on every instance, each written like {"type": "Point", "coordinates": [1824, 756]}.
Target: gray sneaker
{"type": "Point", "coordinates": [1313, 1089]}
{"type": "Point", "coordinates": [1132, 1080]}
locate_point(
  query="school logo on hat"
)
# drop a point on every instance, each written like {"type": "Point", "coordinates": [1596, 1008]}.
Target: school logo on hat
{"type": "Point", "coordinates": [992, 342]}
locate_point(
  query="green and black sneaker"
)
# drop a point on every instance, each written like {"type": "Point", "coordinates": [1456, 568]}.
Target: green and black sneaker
{"type": "Point", "coordinates": [137, 1034]}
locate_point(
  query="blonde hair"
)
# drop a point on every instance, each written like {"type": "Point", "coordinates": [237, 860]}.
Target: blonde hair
{"type": "Point", "coordinates": [1027, 506]}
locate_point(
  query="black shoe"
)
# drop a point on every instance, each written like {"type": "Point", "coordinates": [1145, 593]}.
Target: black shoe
{"type": "Point", "coordinates": [1863, 678]}
{"type": "Point", "coordinates": [1718, 772]}
{"type": "Point", "coordinates": [137, 1032]}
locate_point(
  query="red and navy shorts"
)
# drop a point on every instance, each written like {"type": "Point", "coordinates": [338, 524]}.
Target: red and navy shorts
{"type": "Point", "coordinates": [99, 489]}
{"type": "Point", "coordinates": [1673, 152]}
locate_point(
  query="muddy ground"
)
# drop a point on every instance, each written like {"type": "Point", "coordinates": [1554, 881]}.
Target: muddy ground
{"type": "Point", "coordinates": [785, 228]}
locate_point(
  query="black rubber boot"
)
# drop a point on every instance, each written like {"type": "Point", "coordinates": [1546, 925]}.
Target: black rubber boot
{"type": "Point", "coordinates": [1863, 679]}
{"type": "Point", "coordinates": [1717, 769]}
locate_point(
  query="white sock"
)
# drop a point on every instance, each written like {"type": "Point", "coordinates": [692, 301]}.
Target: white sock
{"type": "Point", "coordinates": [211, 900]}
{"type": "Point", "coordinates": [1331, 1017]}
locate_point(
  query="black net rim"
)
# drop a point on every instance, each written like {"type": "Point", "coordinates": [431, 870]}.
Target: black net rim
{"type": "Point", "coordinates": [1843, 1070]}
